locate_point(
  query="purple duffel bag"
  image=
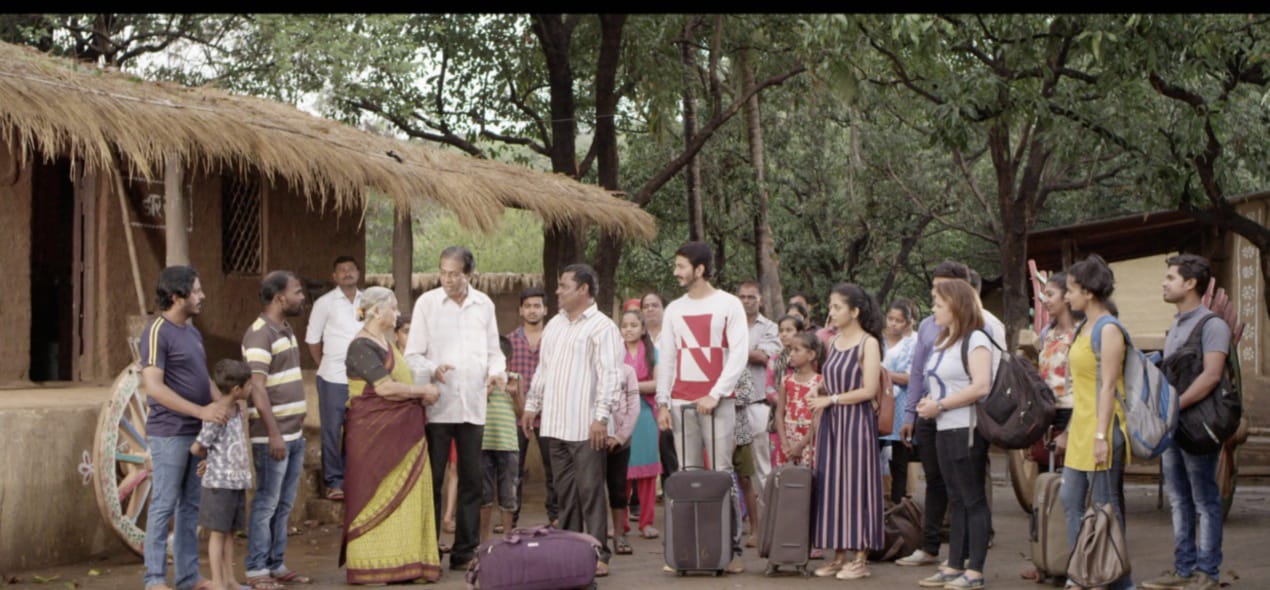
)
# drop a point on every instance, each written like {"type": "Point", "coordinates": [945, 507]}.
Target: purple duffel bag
{"type": "Point", "coordinates": [541, 558]}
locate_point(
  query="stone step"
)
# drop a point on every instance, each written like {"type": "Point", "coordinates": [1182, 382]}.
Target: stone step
{"type": "Point", "coordinates": [325, 512]}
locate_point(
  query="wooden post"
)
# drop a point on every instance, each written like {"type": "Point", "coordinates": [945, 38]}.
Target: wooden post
{"type": "Point", "coordinates": [132, 246]}
{"type": "Point", "coordinates": [403, 246]}
{"type": "Point", "coordinates": [176, 213]}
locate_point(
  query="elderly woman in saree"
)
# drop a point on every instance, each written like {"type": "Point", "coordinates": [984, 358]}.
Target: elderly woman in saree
{"type": "Point", "coordinates": [390, 529]}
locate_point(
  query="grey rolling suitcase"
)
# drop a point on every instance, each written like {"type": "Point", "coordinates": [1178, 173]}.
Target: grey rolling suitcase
{"type": "Point", "coordinates": [785, 535]}
{"type": "Point", "coordinates": [1048, 530]}
{"type": "Point", "coordinates": [699, 517]}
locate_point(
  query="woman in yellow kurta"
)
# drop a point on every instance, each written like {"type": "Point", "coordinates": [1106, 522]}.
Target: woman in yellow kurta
{"type": "Point", "coordinates": [1096, 434]}
{"type": "Point", "coordinates": [390, 532]}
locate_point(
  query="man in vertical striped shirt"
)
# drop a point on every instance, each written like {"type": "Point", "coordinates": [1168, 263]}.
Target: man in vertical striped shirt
{"type": "Point", "coordinates": [579, 378]}
{"type": "Point", "coordinates": [275, 423]}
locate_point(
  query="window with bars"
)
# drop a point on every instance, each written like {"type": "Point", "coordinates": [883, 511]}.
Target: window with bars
{"type": "Point", "coordinates": [241, 222]}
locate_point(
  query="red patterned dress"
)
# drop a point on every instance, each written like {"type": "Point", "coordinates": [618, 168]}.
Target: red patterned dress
{"type": "Point", "coordinates": [798, 418]}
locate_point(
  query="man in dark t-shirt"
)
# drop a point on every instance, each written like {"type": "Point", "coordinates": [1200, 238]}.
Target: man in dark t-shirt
{"type": "Point", "coordinates": [179, 392]}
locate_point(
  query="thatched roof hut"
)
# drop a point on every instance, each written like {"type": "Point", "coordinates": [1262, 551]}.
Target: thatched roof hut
{"type": "Point", "coordinates": [113, 122]}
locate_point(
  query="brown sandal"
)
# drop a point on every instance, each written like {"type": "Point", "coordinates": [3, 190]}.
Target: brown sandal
{"type": "Point", "coordinates": [263, 583]}
{"type": "Point", "coordinates": [292, 577]}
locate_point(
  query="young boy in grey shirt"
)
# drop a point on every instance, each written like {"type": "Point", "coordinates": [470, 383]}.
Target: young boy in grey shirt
{"type": "Point", "coordinates": [226, 474]}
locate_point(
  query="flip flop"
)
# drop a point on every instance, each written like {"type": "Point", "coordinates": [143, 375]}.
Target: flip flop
{"type": "Point", "coordinates": [293, 578]}
{"type": "Point", "coordinates": [622, 546]}
{"type": "Point", "coordinates": [443, 547]}
{"type": "Point", "coordinates": [335, 494]}
{"type": "Point", "coordinates": [263, 583]}
{"type": "Point", "coordinates": [649, 533]}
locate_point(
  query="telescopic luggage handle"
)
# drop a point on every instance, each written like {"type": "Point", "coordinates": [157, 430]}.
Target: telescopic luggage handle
{"type": "Point", "coordinates": [683, 436]}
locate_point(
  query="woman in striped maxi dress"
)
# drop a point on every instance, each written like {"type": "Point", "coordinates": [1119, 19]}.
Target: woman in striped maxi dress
{"type": "Point", "coordinates": [847, 509]}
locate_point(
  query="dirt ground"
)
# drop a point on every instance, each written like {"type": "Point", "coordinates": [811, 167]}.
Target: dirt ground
{"type": "Point", "coordinates": [314, 552]}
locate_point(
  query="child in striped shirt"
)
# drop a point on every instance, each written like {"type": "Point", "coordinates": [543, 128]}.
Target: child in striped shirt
{"type": "Point", "coordinates": [500, 450]}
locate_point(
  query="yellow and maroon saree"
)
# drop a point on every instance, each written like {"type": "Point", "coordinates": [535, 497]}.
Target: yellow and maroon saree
{"type": "Point", "coordinates": [390, 531]}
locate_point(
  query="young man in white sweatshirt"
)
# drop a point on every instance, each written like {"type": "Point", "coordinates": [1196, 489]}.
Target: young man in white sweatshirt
{"type": "Point", "coordinates": [705, 334]}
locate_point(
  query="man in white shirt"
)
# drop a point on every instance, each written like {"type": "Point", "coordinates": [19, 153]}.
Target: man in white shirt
{"type": "Point", "coordinates": [332, 325]}
{"type": "Point", "coordinates": [579, 378]}
{"type": "Point", "coordinates": [454, 343]}
{"type": "Point", "coordinates": [705, 335]}
{"type": "Point", "coordinates": [764, 343]}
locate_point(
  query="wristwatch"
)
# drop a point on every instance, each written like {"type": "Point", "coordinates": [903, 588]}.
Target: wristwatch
{"type": "Point", "coordinates": [939, 405]}
{"type": "Point", "coordinates": [1100, 436]}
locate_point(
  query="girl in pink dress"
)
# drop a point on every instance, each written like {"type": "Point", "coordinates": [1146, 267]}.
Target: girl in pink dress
{"type": "Point", "coordinates": [795, 420]}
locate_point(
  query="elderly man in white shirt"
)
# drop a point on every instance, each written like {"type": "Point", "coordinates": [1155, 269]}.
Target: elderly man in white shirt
{"type": "Point", "coordinates": [454, 343]}
{"type": "Point", "coordinates": [578, 380]}
{"type": "Point", "coordinates": [332, 325]}
{"type": "Point", "coordinates": [764, 344]}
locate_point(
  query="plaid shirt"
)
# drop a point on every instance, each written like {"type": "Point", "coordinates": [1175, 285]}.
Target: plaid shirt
{"type": "Point", "coordinates": [523, 361]}
{"type": "Point", "coordinates": [524, 358]}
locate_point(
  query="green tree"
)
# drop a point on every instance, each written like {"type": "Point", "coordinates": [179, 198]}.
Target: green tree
{"type": "Point", "coordinates": [1027, 90]}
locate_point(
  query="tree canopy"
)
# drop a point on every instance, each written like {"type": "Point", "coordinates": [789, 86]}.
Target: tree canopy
{"type": "Point", "coordinates": [859, 148]}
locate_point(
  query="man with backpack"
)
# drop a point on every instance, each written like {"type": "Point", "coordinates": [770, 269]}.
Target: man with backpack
{"type": "Point", "coordinates": [1191, 478]}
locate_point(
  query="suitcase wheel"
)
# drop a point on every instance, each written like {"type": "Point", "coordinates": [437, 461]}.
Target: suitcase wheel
{"type": "Point", "coordinates": [770, 571]}
{"type": "Point", "coordinates": [718, 573]}
{"type": "Point", "coordinates": [680, 573]}
{"type": "Point", "coordinates": [802, 569]}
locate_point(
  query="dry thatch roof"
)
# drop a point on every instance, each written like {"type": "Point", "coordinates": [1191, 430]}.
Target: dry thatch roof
{"type": "Point", "coordinates": [487, 282]}
{"type": "Point", "coordinates": [51, 106]}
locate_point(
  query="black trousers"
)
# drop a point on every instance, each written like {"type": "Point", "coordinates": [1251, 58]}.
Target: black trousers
{"type": "Point", "coordinates": [615, 478]}
{"type": "Point", "coordinates": [669, 456]}
{"type": "Point", "coordinates": [579, 475]}
{"type": "Point", "coordinates": [965, 466]}
{"type": "Point", "coordinates": [467, 507]}
{"type": "Point", "coordinates": [899, 469]}
{"type": "Point", "coordinates": [936, 494]}
{"type": "Point", "coordinates": [553, 507]}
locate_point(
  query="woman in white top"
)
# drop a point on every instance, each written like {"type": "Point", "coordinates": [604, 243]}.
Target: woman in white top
{"type": "Point", "coordinates": [900, 340]}
{"type": "Point", "coordinates": [952, 390]}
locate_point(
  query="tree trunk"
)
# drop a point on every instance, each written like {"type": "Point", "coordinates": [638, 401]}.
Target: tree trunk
{"type": "Point", "coordinates": [403, 247]}
{"type": "Point", "coordinates": [563, 245]}
{"type": "Point", "coordinates": [607, 161]}
{"type": "Point", "coordinates": [907, 243]}
{"type": "Point", "coordinates": [765, 263]}
{"type": "Point", "coordinates": [1018, 197]}
{"type": "Point", "coordinates": [692, 172]}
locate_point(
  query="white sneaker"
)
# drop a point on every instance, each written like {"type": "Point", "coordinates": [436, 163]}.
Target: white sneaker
{"type": "Point", "coordinates": [918, 557]}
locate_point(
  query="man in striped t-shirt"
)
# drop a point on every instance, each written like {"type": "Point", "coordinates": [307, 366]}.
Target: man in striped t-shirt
{"type": "Point", "coordinates": [578, 380]}
{"type": "Point", "coordinates": [275, 422]}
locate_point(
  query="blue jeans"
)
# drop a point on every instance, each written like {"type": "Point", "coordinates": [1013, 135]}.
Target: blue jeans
{"type": "Point", "coordinates": [1191, 482]}
{"type": "Point", "coordinates": [276, 484]}
{"type": "Point", "coordinates": [332, 407]}
{"type": "Point", "coordinates": [1104, 485]}
{"type": "Point", "coordinates": [175, 488]}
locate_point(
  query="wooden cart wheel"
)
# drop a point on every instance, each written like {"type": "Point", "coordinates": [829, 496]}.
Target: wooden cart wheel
{"type": "Point", "coordinates": [121, 460]}
{"type": "Point", "coordinates": [1228, 466]}
{"type": "Point", "coordinates": [1023, 472]}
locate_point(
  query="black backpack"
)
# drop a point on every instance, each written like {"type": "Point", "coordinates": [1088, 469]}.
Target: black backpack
{"type": "Point", "coordinates": [1019, 407]}
{"type": "Point", "coordinates": [1203, 427]}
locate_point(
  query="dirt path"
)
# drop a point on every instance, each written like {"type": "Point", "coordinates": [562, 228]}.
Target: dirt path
{"type": "Point", "coordinates": [314, 551]}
